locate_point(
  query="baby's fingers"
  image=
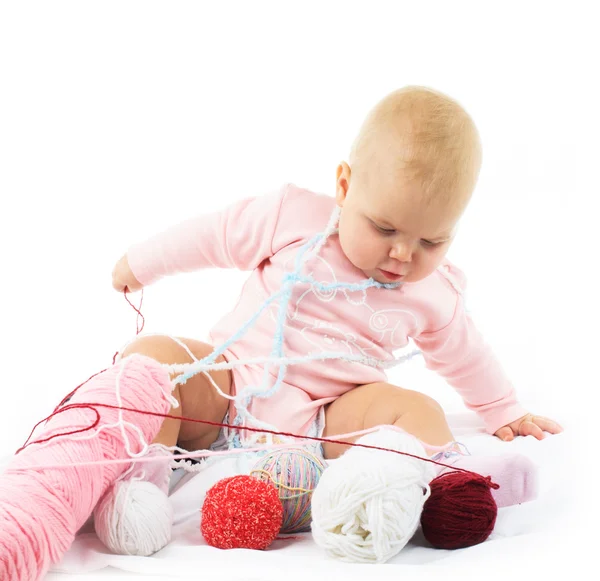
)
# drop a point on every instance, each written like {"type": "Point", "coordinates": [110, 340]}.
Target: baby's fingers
{"type": "Point", "coordinates": [505, 434]}
{"type": "Point", "coordinates": [528, 428]}
{"type": "Point", "coordinates": [547, 424]}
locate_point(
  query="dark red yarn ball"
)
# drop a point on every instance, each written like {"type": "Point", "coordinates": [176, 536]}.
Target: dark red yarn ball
{"type": "Point", "coordinates": [241, 512]}
{"type": "Point", "coordinates": [460, 512]}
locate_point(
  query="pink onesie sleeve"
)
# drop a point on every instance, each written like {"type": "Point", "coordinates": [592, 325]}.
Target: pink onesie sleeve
{"type": "Point", "coordinates": [459, 354]}
{"type": "Point", "coordinates": [239, 236]}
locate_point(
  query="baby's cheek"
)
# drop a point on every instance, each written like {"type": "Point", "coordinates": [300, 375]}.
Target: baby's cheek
{"type": "Point", "coordinates": [351, 247]}
{"type": "Point", "coordinates": [427, 263]}
{"type": "Point", "coordinates": [362, 254]}
{"type": "Point", "coordinates": [364, 249]}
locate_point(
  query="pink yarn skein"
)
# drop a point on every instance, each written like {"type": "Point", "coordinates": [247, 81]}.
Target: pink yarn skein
{"type": "Point", "coordinates": [42, 510]}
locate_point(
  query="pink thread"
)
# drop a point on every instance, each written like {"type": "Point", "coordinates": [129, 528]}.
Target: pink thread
{"type": "Point", "coordinates": [41, 511]}
{"type": "Point", "coordinates": [43, 506]}
{"type": "Point", "coordinates": [332, 440]}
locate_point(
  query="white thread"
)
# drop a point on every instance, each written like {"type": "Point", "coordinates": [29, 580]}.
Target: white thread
{"type": "Point", "coordinates": [178, 368]}
{"type": "Point", "coordinates": [182, 367]}
{"type": "Point", "coordinates": [184, 347]}
{"type": "Point", "coordinates": [368, 503]}
{"type": "Point", "coordinates": [155, 468]}
{"type": "Point", "coordinates": [210, 453]}
{"type": "Point", "coordinates": [120, 423]}
{"type": "Point", "coordinates": [205, 372]}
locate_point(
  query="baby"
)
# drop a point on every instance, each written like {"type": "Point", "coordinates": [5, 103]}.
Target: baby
{"type": "Point", "coordinates": [410, 175]}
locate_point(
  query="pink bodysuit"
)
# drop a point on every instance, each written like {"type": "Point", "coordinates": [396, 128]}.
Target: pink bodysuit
{"type": "Point", "coordinates": [263, 235]}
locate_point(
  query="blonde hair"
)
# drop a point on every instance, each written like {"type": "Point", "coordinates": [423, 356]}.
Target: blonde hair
{"type": "Point", "coordinates": [432, 140]}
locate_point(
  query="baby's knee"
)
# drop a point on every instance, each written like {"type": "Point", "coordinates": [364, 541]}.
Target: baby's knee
{"type": "Point", "coordinates": [388, 403]}
{"type": "Point", "coordinates": [417, 403]}
{"type": "Point", "coordinates": [158, 347]}
{"type": "Point", "coordinates": [428, 403]}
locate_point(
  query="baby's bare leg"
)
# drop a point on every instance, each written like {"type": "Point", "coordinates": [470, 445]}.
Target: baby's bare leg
{"type": "Point", "coordinates": [197, 398]}
{"type": "Point", "coordinates": [385, 404]}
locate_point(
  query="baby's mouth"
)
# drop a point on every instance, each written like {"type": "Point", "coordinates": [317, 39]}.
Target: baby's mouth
{"type": "Point", "coordinates": [390, 275]}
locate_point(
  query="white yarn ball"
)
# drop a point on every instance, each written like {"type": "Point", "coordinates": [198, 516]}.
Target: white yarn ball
{"type": "Point", "coordinates": [368, 503]}
{"type": "Point", "coordinates": [134, 518]}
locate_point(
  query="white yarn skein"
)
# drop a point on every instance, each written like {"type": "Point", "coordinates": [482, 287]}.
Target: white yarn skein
{"type": "Point", "coordinates": [134, 518]}
{"type": "Point", "coordinates": [368, 503]}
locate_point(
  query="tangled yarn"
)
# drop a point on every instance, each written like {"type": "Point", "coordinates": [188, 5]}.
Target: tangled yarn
{"type": "Point", "coordinates": [365, 507]}
{"type": "Point", "coordinates": [42, 509]}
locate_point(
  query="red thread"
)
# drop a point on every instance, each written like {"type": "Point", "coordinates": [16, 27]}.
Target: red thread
{"type": "Point", "coordinates": [138, 310]}
{"type": "Point", "coordinates": [139, 330]}
{"type": "Point", "coordinates": [54, 413]}
{"type": "Point", "coordinates": [259, 431]}
{"type": "Point", "coordinates": [486, 480]}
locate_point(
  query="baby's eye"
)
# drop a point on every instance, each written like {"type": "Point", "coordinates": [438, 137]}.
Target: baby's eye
{"type": "Point", "coordinates": [429, 243]}
{"type": "Point", "coordinates": [384, 230]}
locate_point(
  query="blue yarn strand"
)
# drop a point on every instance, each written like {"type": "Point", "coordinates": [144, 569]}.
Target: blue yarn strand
{"type": "Point", "coordinates": [283, 297]}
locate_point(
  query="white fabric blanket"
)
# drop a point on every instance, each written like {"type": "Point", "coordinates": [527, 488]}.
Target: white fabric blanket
{"type": "Point", "coordinates": [534, 537]}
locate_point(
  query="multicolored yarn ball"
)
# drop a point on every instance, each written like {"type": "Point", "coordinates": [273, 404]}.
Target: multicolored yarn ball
{"type": "Point", "coordinates": [295, 474]}
{"type": "Point", "coordinates": [241, 512]}
{"type": "Point", "coordinates": [460, 512]}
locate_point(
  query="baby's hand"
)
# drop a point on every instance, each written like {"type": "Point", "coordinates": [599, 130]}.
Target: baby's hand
{"type": "Point", "coordinates": [528, 425]}
{"type": "Point", "coordinates": [122, 277]}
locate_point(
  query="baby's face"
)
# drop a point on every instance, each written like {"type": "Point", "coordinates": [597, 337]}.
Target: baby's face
{"type": "Point", "coordinates": [389, 232]}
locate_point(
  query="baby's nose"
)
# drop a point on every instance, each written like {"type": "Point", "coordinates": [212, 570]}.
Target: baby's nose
{"type": "Point", "coordinates": [401, 252]}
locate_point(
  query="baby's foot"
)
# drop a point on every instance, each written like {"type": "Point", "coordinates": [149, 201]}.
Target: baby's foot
{"type": "Point", "coordinates": [514, 473]}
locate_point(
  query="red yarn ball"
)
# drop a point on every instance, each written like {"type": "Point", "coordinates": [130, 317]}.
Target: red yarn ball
{"type": "Point", "coordinates": [241, 512]}
{"type": "Point", "coordinates": [460, 512]}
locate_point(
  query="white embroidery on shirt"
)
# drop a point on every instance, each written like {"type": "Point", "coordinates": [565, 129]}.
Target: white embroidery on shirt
{"type": "Point", "coordinates": [394, 322]}
{"type": "Point", "coordinates": [389, 326]}
{"type": "Point", "coordinates": [327, 337]}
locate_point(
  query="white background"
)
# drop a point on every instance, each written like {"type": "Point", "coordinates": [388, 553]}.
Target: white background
{"type": "Point", "coordinates": [118, 119]}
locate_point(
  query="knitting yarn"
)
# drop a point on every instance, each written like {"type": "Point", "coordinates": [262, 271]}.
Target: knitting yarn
{"type": "Point", "coordinates": [134, 518]}
{"type": "Point", "coordinates": [42, 509]}
{"type": "Point", "coordinates": [460, 512]}
{"type": "Point", "coordinates": [368, 503]}
{"type": "Point", "coordinates": [294, 473]}
{"type": "Point", "coordinates": [241, 512]}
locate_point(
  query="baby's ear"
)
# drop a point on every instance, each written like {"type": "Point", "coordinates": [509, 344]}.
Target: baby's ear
{"type": "Point", "coordinates": [342, 183]}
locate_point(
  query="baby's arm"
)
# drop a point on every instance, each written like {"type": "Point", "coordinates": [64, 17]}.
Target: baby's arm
{"type": "Point", "coordinates": [459, 353]}
{"type": "Point", "coordinates": [456, 350]}
{"type": "Point", "coordinates": [461, 356]}
{"type": "Point", "coordinates": [238, 237]}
